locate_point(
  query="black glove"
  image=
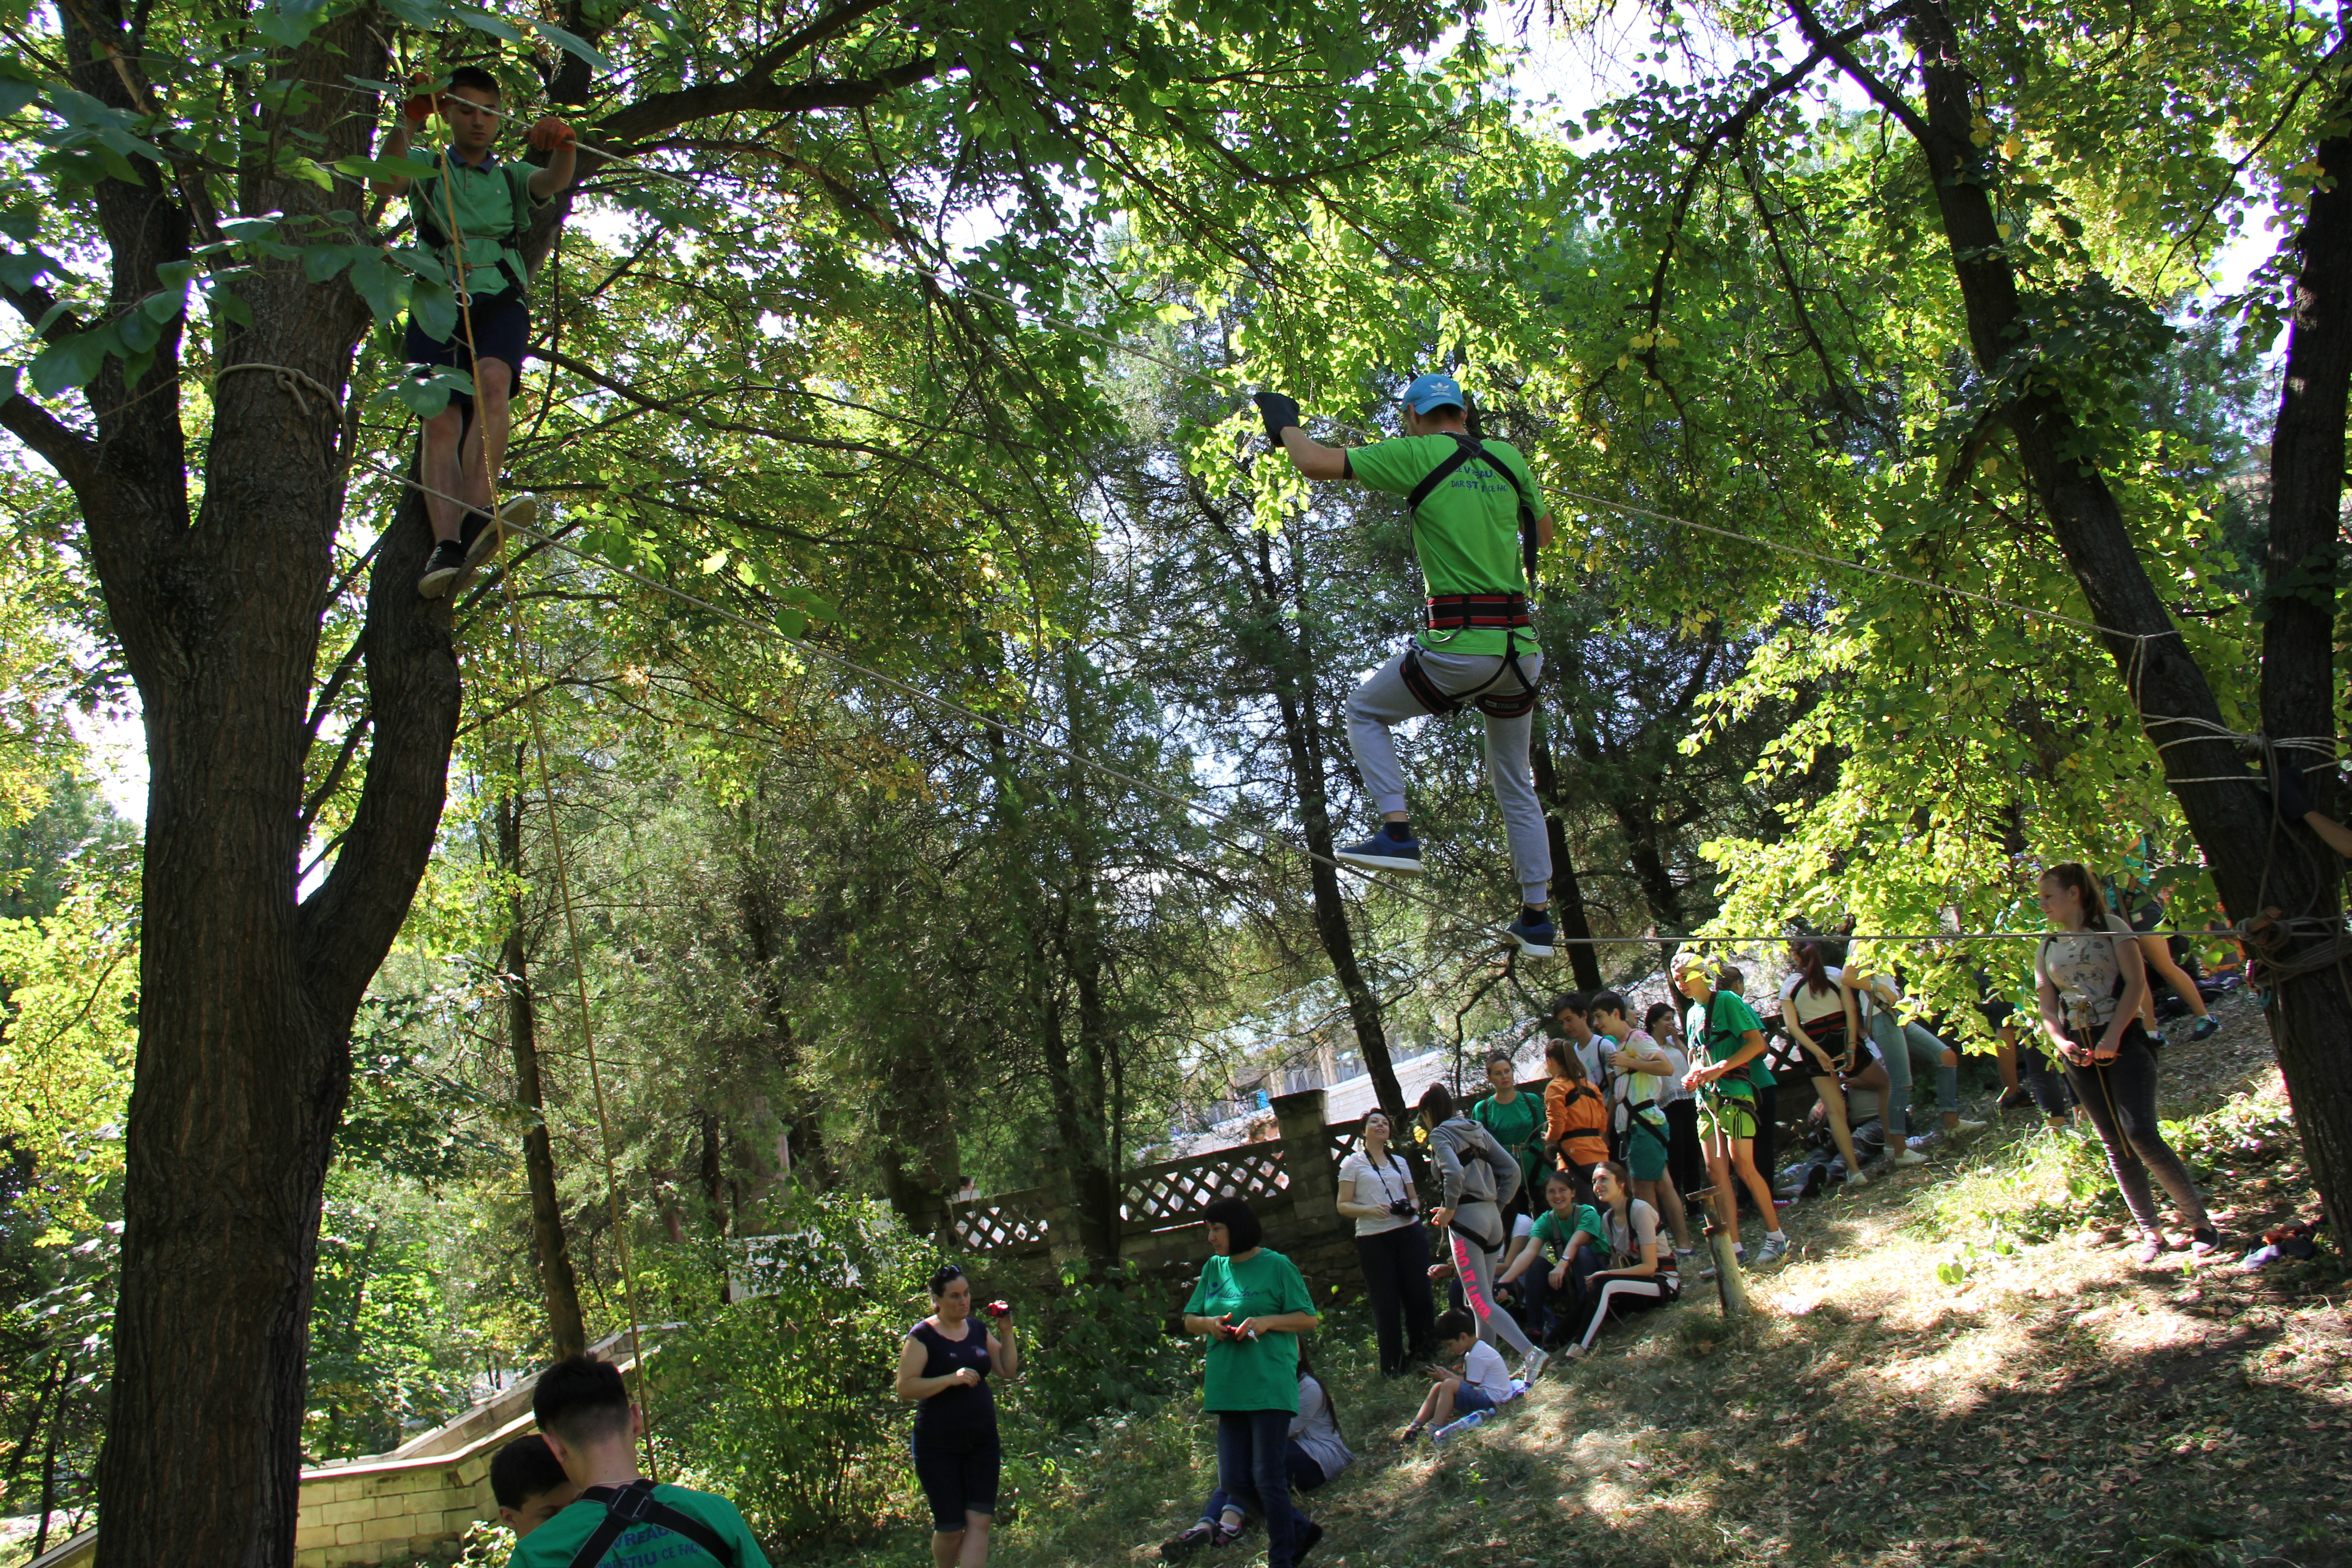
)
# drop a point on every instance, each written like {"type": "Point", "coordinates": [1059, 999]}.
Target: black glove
{"type": "Point", "coordinates": [2286, 785]}
{"type": "Point", "coordinates": [1280, 412]}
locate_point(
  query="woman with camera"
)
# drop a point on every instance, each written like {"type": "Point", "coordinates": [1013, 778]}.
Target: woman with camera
{"type": "Point", "coordinates": [1375, 1191]}
{"type": "Point", "coordinates": [943, 1369]}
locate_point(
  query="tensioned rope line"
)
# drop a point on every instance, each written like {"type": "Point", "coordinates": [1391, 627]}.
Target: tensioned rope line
{"type": "Point", "coordinates": [1206, 808]}
{"type": "Point", "coordinates": [461, 264]}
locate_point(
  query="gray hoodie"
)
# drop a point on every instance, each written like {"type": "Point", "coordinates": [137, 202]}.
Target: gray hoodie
{"type": "Point", "coordinates": [1475, 1168]}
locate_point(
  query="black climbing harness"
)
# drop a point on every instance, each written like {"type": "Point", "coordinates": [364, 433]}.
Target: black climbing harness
{"type": "Point", "coordinates": [1506, 613]}
{"type": "Point", "coordinates": [635, 1504]}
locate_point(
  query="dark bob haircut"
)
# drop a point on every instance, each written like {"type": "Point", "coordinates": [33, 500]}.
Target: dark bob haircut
{"type": "Point", "coordinates": [1242, 1228]}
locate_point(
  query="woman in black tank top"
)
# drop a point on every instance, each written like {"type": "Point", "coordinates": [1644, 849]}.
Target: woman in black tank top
{"type": "Point", "coordinates": [943, 1369]}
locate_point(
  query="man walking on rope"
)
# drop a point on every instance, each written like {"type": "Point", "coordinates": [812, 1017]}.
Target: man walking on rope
{"type": "Point", "coordinates": [479, 205]}
{"type": "Point", "coordinates": [1479, 520]}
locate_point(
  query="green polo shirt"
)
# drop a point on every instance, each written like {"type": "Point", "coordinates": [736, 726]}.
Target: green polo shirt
{"type": "Point", "coordinates": [486, 197]}
{"type": "Point", "coordinates": [556, 1543]}
{"type": "Point", "coordinates": [1467, 533]}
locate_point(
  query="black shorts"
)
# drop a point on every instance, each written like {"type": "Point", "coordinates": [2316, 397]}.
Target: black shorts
{"type": "Point", "coordinates": [501, 332]}
{"type": "Point", "coordinates": [959, 1476]}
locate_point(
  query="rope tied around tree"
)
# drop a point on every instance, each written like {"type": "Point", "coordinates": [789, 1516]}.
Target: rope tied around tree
{"type": "Point", "coordinates": [291, 381]}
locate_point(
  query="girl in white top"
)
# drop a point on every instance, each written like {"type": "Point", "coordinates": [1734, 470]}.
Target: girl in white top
{"type": "Point", "coordinates": [1825, 1021]}
{"type": "Point", "coordinates": [1641, 1272]}
{"type": "Point", "coordinates": [1644, 1069]}
{"type": "Point", "coordinates": [1375, 1191]}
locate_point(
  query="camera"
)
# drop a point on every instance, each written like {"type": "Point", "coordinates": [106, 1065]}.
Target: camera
{"type": "Point", "coordinates": [1401, 1208]}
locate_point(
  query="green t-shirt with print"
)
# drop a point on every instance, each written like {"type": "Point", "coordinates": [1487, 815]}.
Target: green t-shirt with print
{"type": "Point", "coordinates": [1729, 1019]}
{"type": "Point", "coordinates": [556, 1543]}
{"type": "Point", "coordinates": [1260, 1373]}
{"type": "Point", "coordinates": [1467, 533]}
{"type": "Point", "coordinates": [486, 197]}
{"type": "Point", "coordinates": [1552, 1233]}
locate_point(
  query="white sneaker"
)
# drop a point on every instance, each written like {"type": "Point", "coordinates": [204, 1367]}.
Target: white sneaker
{"type": "Point", "coordinates": [1532, 1368]}
{"type": "Point", "coordinates": [1905, 1157]}
{"type": "Point", "coordinates": [1964, 1129]}
{"type": "Point", "coordinates": [1770, 1253]}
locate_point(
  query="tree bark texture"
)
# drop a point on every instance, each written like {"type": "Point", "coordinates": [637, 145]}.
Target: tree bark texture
{"type": "Point", "coordinates": [1298, 698]}
{"type": "Point", "coordinates": [2257, 862]}
{"type": "Point", "coordinates": [567, 1331]}
{"type": "Point", "coordinates": [1575, 927]}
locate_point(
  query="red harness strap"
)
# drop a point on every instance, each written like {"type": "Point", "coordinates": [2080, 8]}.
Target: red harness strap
{"type": "Point", "coordinates": [1484, 612]}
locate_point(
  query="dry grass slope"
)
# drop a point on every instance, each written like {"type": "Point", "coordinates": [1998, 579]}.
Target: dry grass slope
{"type": "Point", "coordinates": [1947, 1372]}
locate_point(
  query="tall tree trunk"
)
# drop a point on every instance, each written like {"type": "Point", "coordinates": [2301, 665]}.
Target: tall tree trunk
{"type": "Point", "coordinates": [1575, 929]}
{"type": "Point", "coordinates": [810, 1163]}
{"type": "Point", "coordinates": [1298, 698]}
{"type": "Point", "coordinates": [2256, 864]}
{"type": "Point", "coordinates": [558, 1287]}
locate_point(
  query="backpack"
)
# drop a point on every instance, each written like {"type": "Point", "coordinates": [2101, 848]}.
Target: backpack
{"type": "Point", "coordinates": [635, 1504]}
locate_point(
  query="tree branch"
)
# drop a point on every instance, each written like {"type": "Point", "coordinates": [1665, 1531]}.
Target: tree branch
{"type": "Point", "coordinates": [654, 117]}
{"type": "Point", "coordinates": [72, 454]}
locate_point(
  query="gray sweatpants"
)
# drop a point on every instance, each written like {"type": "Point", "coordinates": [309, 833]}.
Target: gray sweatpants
{"type": "Point", "coordinates": [1383, 701]}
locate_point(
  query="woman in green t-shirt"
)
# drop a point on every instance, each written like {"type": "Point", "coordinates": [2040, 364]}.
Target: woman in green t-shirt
{"type": "Point", "coordinates": [1251, 1305]}
{"type": "Point", "coordinates": [1516, 1119]}
{"type": "Point", "coordinates": [1565, 1246]}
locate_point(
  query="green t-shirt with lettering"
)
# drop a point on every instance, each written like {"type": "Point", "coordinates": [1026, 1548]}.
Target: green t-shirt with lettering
{"type": "Point", "coordinates": [1260, 1373]}
{"type": "Point", "coordinates": [1467, 533]}
{"type": "Point", "coordinates": [556, 1543]}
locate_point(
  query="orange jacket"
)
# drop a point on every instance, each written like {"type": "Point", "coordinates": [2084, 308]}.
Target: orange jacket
{"type": "Point", "coordinates": [1579, 1118]}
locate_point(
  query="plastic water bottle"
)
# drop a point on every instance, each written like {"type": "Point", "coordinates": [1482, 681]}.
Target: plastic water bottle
{"type": "Point", "coordinates": [1453, 1429]}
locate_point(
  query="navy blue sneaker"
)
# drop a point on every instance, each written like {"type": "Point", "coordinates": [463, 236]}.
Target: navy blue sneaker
{"type": "Point", "coordinates": [1381, 853]}
{"type": "Point", "coordinates": [1534, 937]}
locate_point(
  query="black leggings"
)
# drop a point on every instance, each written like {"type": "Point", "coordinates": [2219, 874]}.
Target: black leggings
{"type": "Point", "coordinates": [2120, 1100]}
{"type": "Point", "coordinates": [1396, 1283]}
{"type": "Point", "coordinates": [2043, 1081]}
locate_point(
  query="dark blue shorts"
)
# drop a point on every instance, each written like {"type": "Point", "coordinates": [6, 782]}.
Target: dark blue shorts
{"type": "Point", "coordinates": [501, 332]}
{"type": "Point", "coordinates": [959, 1476]}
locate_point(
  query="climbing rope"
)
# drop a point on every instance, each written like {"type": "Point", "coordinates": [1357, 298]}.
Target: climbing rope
{"type": "Point", "coordinates": [527, 666]}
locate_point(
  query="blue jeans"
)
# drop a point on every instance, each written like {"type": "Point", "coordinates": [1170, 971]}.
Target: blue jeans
{"type": "Point", "coordinates": [1917, 1045]}
{"type": "Point", "coordinates": [1254, 1472]}
{"type": "Point", "coordinates": [1306, 1475]}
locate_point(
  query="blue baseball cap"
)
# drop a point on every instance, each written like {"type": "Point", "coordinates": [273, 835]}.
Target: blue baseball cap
{"type": "Point", "coordinates": [1428, 392]}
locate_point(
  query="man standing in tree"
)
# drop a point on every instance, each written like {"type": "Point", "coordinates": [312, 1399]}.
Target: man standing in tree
{"type": "Point", "coordinates": [1479, 520]}
{"type": "Point", "coordinates": [482, 206]}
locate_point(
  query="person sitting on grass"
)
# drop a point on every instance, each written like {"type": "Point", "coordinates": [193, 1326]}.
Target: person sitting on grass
{"type": "Point", "coordinates": [1318, 1452]}
{"type": "Point", "coordinates": [1472, 1375]}
{"type": "Point", "coordinates": [1564, 1247]}
{"type": "Point", "coordinates": [1643, 1071]}
{"type": "Point", "coordinates": [487, 204]}
{"type": "Point", "coordinates": [1641, 1273]}
{"type": "Point", "coordinates": [529, 1484]}
{"type": "Point", "coordinates": [621, 1519]}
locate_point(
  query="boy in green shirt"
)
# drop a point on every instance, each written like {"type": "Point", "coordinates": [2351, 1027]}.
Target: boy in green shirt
{"type": "Point", "coordinates": [621, 1519]}
{"type": "Point", "coordinates": [1479, 520]}
{"type": "Point", "coordinates": [488, 204]}
{"type": "Point", "coordinates": [1728, 1033]}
